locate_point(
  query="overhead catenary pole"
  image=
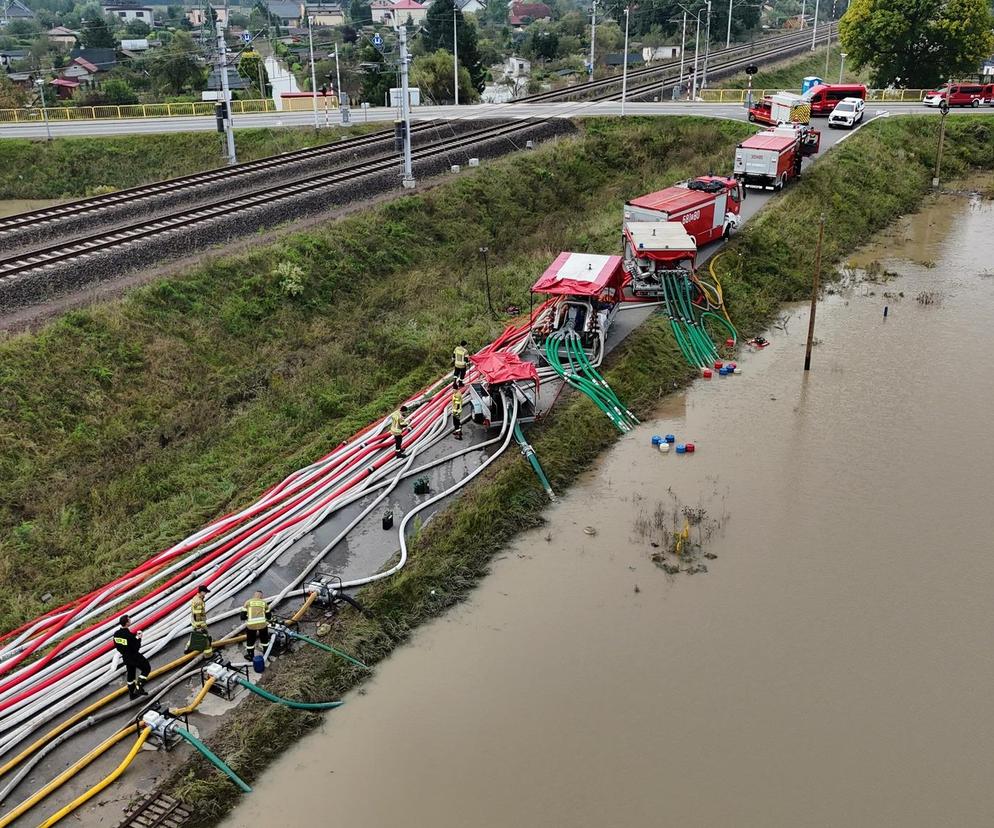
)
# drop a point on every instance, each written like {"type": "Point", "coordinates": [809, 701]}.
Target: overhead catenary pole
{"type": "Point", "coordinates": [804, 4]}
{"type": "Point", "coordinates": [405, 110]}
{"type": "Point", "coordinates": [814, 295]}
{"type": "Point", "coordinates": [728, 31]}
{"type": "Point", "coordinates": [707, 50]}
{"type": "Point", "coordinates": [593, 36]}
{"type": "Point", "coordinates": [624, 66]}
{"type": "Point", "coordinates": [697, 40]}
{"type": "Point", "coordinates": [683, 45]}
{"type": "Point", "coordinates": [343, 101]}
{"type": "Point", "coordinates": [222, 71]}
{"type": "Point", "coordinates": [455, 53]}
{"type": "Point", "coordinates": [814, 27]}
{"type": "Point", "coordinates": [314, 80]}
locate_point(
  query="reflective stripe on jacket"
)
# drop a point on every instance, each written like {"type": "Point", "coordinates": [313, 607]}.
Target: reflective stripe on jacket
{"type": "Point", "coordinates": [256, 610]}
{"type": "Point", "coordinates": [198, 612]}
{"type": "Point", "coordinates": [457, 404]}
{"type": "Point", "coordinates": [397, 423]}
{"type": "Point", "coordinates": [459, 356]}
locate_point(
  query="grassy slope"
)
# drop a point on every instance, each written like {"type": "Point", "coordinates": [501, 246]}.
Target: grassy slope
{"type": "Point", "coordinates": [243, 383]}
{"type": "Point", "coordinates": [68, 167]}
{"type": "Point", "coordinates": [770, 262]}
{"type": "Point", "coordinates": [788, 74]}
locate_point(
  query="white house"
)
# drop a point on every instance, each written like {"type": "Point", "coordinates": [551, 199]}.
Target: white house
{"type": "Point", "coordinates": [651, 53]}
{"type": "Point", "coordinates": [129, 12]}
{"type": "Point", "coordinates": [471, 6]}
{"type": "Point", "coordinates": [517, 67]}
{"type": "Point", "coordinates": [325, 14]}
{"type": "Point", "coordinates": [198, 17]}
{"type": "Point", "coordinates": [399, 12]}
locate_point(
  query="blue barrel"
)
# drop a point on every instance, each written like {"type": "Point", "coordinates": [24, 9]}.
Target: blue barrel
{"type": "Point", "coordinates": [259, 663]}
{"type": "Point", "coordinates": [670, 438]}
{"type": "Point", "coordinates": [656, 440]}
{"type": "Point", "coordinates": [681, 448]}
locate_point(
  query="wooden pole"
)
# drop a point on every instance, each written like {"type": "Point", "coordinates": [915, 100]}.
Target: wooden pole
{"type": "Point", "coordinates": [938, 154]}
{"type": "Point", "coordinates": [814, 296]}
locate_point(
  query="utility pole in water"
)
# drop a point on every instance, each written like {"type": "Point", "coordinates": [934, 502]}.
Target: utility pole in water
{"type": "Point", "coordinates": [944, 109]}
{"type": "Point", "coordinates": [814, 295]}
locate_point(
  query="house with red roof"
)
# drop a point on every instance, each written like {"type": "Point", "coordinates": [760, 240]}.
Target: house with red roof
{"type": "Point", "coordinates": [521, 14]}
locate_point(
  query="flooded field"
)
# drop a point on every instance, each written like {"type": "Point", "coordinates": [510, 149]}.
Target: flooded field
{"type": "Point", "coordinates": [830, 668]}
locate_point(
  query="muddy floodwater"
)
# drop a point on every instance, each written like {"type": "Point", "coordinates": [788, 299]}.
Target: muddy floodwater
{"type": "Point", "coordinates": [832, 667]}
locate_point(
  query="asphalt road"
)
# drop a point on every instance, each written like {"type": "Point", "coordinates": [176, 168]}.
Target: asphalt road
{"type": "Point", "coordinates": [387, 115]}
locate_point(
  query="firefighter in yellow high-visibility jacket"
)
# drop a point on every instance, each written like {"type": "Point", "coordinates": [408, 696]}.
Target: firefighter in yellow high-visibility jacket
{"type": "Point", "coordinates": [256, 615]}
{"type": "Point", "coordinates": [200, 637]}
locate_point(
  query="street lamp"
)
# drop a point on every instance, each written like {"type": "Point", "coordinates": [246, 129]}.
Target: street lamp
{"type": "Point", "coordinates": [44, 108]}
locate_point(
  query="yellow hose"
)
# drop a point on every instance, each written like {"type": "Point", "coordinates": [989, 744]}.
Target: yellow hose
{"type": "Point", "coordinates": [306, 606]}
{"type": "Point", "coordinates": [66, 775]}
{"type": "Point", "coordinates": [103, 783]}
{"type": "Point", "coordinates": [182, 711]}
{"type": "Point", "coordinates": [717, 282]}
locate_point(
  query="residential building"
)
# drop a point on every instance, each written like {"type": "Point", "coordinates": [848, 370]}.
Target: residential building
{"type": "Point", "coordinates": [287, 13]}
{"type": "Point", "coordinates": [521, 14]}
{"type": "Point", "coordinates": [139, 44]}
{"type": "Point", "coordinates": [102, 58]}
{"type": "Point", "coordinates": [80, 70]}
{"type": "Point", "coordinates": [325, 14]}
{"type": "Point", "coordinates": [399, 12]}
{"type": "Point", "coordinates": [651, 53]}
{"type": "Point", "coordinates": [62, 36]}
{"type": "Point", "coordinates": [64, 87]}
{"type": "Point", "coordinates": [8, 57]}
{"type": "Point", "coordinates": [129, 12]}
{"type": "Point", "coordinates": [235, 81]}
{"type": "Point", "coordinates": [14, 10]}
{"type": "Point", "coordinates": [198, 17]}
{"type": "Point", "coordinates": [471, 6]}
{"type": "Point", "coordinates": [517, 67]}
{"type": "Point", "coordinates": [618, 59]}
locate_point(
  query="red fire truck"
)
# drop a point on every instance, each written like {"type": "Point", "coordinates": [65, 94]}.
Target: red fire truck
{"type": "Point", "coordinates": [772, 157]}
{"type": "Point", "coordinates": [708, 207]}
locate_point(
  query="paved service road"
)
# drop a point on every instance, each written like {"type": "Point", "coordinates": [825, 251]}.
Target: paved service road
{"type": "Point", "coordinates": [206, 123]}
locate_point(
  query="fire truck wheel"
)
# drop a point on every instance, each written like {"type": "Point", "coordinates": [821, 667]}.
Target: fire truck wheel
{"type": "Point", "coordinates": [752, 118]}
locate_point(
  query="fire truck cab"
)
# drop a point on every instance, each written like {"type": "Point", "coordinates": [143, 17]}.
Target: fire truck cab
{"type": "Point", "coordinates": [707, 206]}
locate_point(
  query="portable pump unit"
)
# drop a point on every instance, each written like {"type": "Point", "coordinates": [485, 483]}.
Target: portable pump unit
{"type": "Point", "coordinates": [163, 725]}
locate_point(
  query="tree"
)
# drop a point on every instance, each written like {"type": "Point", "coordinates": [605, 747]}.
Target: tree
{"type": "Point", "coordinates": [917, 43]}
{"type": "Point", "coordinates": [250, 66]}
{"type": "Point", "coordinates": [96, 34]}
{"type": "Point", "coordinates": [11, 97]}
{"type": "Point", "coordinates": [496, 12]}
{"type": "Point", "coordinates": [349, 34]}
{"type": "Point", "coordinates": [359, 11]}
{"type": "Point", "coordinates": [433, 75]}
{"type": "Point", "coordinates": [541, 43]}
{"type": "Point", "coordinates": [377, 77]}
{"type": "Point", "coordinates": [437, 34]}
{"type": "Point", "coordinates": [118, 92]}
{"type": "Point", "coordinates": [137, 28]}
{"type": "Point", "coordinates": [175, 68]}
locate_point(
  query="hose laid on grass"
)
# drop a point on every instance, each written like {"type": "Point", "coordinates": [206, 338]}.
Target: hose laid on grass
{"type": "Point", "coordinates": [529, 453]}
{"type": "Point", "coordinates": [580, 383]}
{"type": "Point", "coordinates": [215, 760]}
{"type": "Point", "coordinates": [295, 705]}
{"type": "Point", "coordinates": [587, 368]}
{"type": "Point", "coordinates": [326, 648]}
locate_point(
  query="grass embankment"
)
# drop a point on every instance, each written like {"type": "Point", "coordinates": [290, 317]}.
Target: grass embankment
{"type": "Point", "coordinates": [855, 188]}
{"type": "Point", "coordinates": [73, 167]}
{"type": "Point", "coordinates": [128, 426]}
{"type": "Point", "coordinates": [788, 74]}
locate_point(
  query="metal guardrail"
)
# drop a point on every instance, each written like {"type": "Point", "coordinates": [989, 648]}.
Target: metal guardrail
{"type": "Point", "coordinates": [163, 110]}
{"type": "Point", "coordinates": [880, 95]}
{"type": "Point", "coordinates": [178, 110]}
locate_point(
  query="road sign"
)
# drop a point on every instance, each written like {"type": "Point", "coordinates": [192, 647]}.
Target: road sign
{"type": "Point", "coordinates": [377, 40]}
{"type": "Point", "coordinates": [246, 37]}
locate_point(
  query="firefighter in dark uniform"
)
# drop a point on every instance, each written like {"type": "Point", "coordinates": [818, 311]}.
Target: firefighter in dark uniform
{"type": "Point", "coordinates": [128, 644]}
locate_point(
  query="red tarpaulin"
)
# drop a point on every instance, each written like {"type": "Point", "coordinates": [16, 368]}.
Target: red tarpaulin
{"type": "Point", "coordinates": [581, 274]}
{"type": "Point", "coordinates": [500, 366]}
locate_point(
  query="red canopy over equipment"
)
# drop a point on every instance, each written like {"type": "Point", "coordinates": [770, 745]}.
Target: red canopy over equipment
{"type": "Point", "coordinates": [582, 274]}
{"type": "Point", "coordinates": [501, 366]}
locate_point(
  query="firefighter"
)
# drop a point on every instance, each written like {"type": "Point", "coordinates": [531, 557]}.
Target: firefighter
{"type": "Point", "coordinates": [460, 362]}
{"type": "Point", "coordinates": [398, 422]}
{"type": "Point", "coordinates": [256, 615]}
{"type": "Point", "coordinates": [128, 644]}
{"type": "Point", "coordinates": [457, 403]}
{"type": "Point", "coordinates": [200, 637]}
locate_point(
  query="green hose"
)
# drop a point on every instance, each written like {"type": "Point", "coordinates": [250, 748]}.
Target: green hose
{"type": "Point", "coordinates": [328, 649]}
{"type": "Point", "coordinates": [728, 326]}
{"type": "Point", "coordinates": [213, 758]}
{"type": "Point", "coordinates": [595, 377]}
{"type": "Point", "coordinates": [529, 452]}
{"type": "Point", "coordinates": [581, 383]}
{"type": "Point", "coordinates": [295, 705]}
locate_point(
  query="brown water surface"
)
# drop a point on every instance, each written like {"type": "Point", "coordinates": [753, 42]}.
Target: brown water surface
{"type": "Point", "coordinates": [833, 667]}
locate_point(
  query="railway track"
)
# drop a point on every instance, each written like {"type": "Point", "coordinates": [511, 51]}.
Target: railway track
{"type": "Point", "coordinates": [66, 252]}
{"type": "Point", "coordinates": [63, 253]}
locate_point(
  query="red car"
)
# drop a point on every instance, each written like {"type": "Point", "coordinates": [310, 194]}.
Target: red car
{"type": "Point", "coordinates": [759, 112]}
{"type": "Point", "coordinates": [825, 96]}
{"type": "Point", "coordinates": [960, 94]}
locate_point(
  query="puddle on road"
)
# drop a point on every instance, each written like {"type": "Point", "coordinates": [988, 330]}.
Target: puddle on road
{"type": "Point", "coordinates": [831, 668]}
